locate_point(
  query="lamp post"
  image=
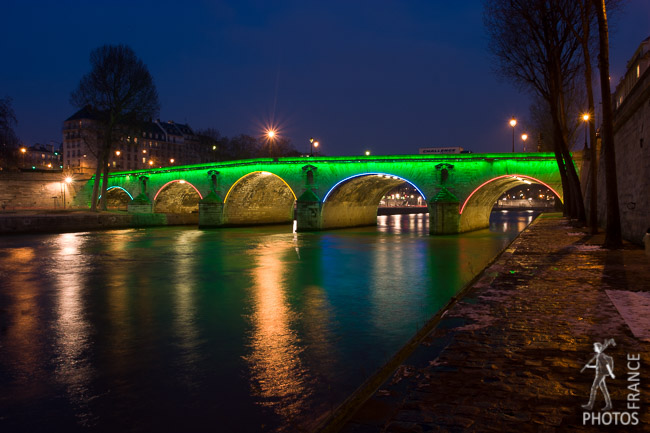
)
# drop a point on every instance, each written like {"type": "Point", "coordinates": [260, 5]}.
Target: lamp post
{"type": "Point", "coordinates": [23, 151]}
{"type": "Point", "coordinates": [513, 123]}
{"type": "Point", "coordinates": [586, 117]}
{"type": "Point", "coordinates": [524, 137]}
{"type": "Point", "coordinates": [312, 144]}
{"type": "Point", "coordinates": [367, 153]}
{"type": "Point", "coordinates": [68, 181]}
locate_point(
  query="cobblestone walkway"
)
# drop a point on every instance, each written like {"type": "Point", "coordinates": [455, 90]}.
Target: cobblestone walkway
{"type": "Point", "coordinates": [507, 356]}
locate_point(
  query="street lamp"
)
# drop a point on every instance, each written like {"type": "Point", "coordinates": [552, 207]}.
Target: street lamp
{"type": "Point", "coordinates": [117, 153]}
{"type": "Point", "coordinates": [312, 144]}
{"type": "Point", "coordinates": [270, 133]}
{"type": "Point", "coordinates": [67, 180]}
{"type": "Point", "coordinates": [524, 137]}
{"type": "Point", "coordinates": [171, 161]}
{"type": "Point", "coordinates": [513, 123]}
{"type": "Point", "coordinates": [586, 118]}
{"type": "Point", "coordinates": [23, 151]}
{"type": "Point", "coordinates": [367, 153]}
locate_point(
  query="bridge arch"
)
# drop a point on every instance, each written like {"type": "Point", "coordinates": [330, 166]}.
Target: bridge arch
{"type": "Point", "coordinates": [475, 210]}
{"type": "Point", "coordinates": [353, 201]}
{"type": "Point", "coordinates": [117, 198]}
{"type": "Point", "coordinates": [259, 197]}
{"type": "Point", "coordinates": [177, 196]}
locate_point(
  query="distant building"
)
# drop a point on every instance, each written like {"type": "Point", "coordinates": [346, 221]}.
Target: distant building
{"type": "Point", "coordinates": [636, 67]}
{"type": "Point", "coordinates": [155, 144]}
{"type": "Point", "coordinates": [440, 150]}
{"type": "Point", "coordinates": [39, 157]}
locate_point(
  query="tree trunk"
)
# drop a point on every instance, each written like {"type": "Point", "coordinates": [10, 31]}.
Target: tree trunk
{"type": "Point", "coordinates": [106, 156]}
{"type": "Point", "coordinates": [98, 172]}
{"type": "Point", "coordinates": [613, 238]}
{"type": "Point", "coordinates": [566, 208]}
{"type": "Point", "coordinates": [593, 154]}
{"type": "Point", "coordinates": [104, 199]}
{"type": "Point", "coordinates": [572, 176]}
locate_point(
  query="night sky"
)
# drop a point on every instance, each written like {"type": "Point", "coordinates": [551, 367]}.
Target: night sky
{"type": "Point", "coordinates": [387, 76]}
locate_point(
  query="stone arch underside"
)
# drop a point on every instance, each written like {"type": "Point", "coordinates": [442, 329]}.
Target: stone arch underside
{"type": "Point", "coordinates": [117, 198]}
{"type": "Point", "coordinates": [476, 212]}
{"type": "Point", "coordinates": [259, 198]}
{"type": "Point", "coordinates": [355, 201]}
{"type": "Point", "coordinates": [177, 197]}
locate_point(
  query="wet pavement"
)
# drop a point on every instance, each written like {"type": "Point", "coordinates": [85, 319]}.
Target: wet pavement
{"type": "Point", "coordinates": [507, 357]}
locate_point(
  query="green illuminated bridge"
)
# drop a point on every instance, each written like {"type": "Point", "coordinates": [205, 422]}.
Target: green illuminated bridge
{"type": "Point", "coordinates": [331, 192]}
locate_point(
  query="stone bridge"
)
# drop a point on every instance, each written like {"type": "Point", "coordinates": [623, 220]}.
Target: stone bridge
{"type": "Point", "coordinates": [331, 192]}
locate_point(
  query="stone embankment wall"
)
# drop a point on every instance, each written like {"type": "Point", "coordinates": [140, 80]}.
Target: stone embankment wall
{"type": "Point", "coordinates": [36, 190]}
{"type": "Point", "coordinates": [84, 221]}
{"type": "Point", "coordinates": [632, 141]}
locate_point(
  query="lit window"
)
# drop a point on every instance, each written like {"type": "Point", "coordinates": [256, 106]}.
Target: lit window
{"type": "Point", "coordinates": [638, 71]}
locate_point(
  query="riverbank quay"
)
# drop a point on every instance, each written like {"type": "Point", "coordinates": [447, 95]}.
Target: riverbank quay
{"type": "Point", "coordinates": [507, 355]}
{"type": "Point", "coordinates": [66, 221]}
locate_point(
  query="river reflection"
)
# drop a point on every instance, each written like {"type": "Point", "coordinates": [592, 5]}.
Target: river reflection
{"type": "Point", "coordinates": [247, 329]}
{"type": "Point", "coordinates": [278, 377]}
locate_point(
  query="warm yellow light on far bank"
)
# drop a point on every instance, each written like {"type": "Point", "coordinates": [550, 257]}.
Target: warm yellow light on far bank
{"type": "Point", "coordinates": [513, 122]}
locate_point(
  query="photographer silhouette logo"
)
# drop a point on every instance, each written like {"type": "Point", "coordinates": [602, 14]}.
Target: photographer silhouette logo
{"type": "Point", "coordinates": [604, 369]}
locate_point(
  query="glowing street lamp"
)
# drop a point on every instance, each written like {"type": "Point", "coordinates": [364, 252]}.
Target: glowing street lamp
{"type": "Point", "coordinates": [312, 144]}
{"type": "Point", "coordinates": [524, 137]}
{"type": "Point", "coordinates": [585, 118]}
{"type": "Point", "coordinates": [118, 153]}
{"type": "Point", "coordinates": [270, 134]}
{"type": "Point", "coordinates": [171, 161]}
{"type": "Point", "coordinates": [151, 162]}
{"type": "Point", "coordinates": [23, 151]}
{"type": "Point", "coordinates": [68, 181]}
{"type": "Point", "coordinates": [513, 123]}
{"type": "Point", "coordinates": [367, 153]}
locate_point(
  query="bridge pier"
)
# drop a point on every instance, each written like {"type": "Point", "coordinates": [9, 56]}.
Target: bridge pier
{"type": "Point", "coordinates": [444, 218]}
{"type": "Point", "coordinates": [211, 211]}
{"type": "Point", "coordinates": [308, 212]}
{"type": "Point", "coordinates": [141, 203]}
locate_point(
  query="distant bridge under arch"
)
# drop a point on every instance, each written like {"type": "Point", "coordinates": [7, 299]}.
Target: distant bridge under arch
{"type": "Point", "coordinates": [332, 192]}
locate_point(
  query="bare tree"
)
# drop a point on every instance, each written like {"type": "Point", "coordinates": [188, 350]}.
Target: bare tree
{"type": "Point", "coordinates": [613, 237]}
{"type": "Point", "coordinates": [121, 91]}
{"type": "Point", "coordinates": [534, 47]}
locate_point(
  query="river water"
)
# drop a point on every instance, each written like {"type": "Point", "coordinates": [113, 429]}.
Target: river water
{"type": "Point", "coordinates": [244, 329]}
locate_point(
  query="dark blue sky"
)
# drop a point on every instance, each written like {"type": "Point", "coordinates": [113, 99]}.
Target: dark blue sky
{"type": "Point", "coordinates": [387, 76]}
